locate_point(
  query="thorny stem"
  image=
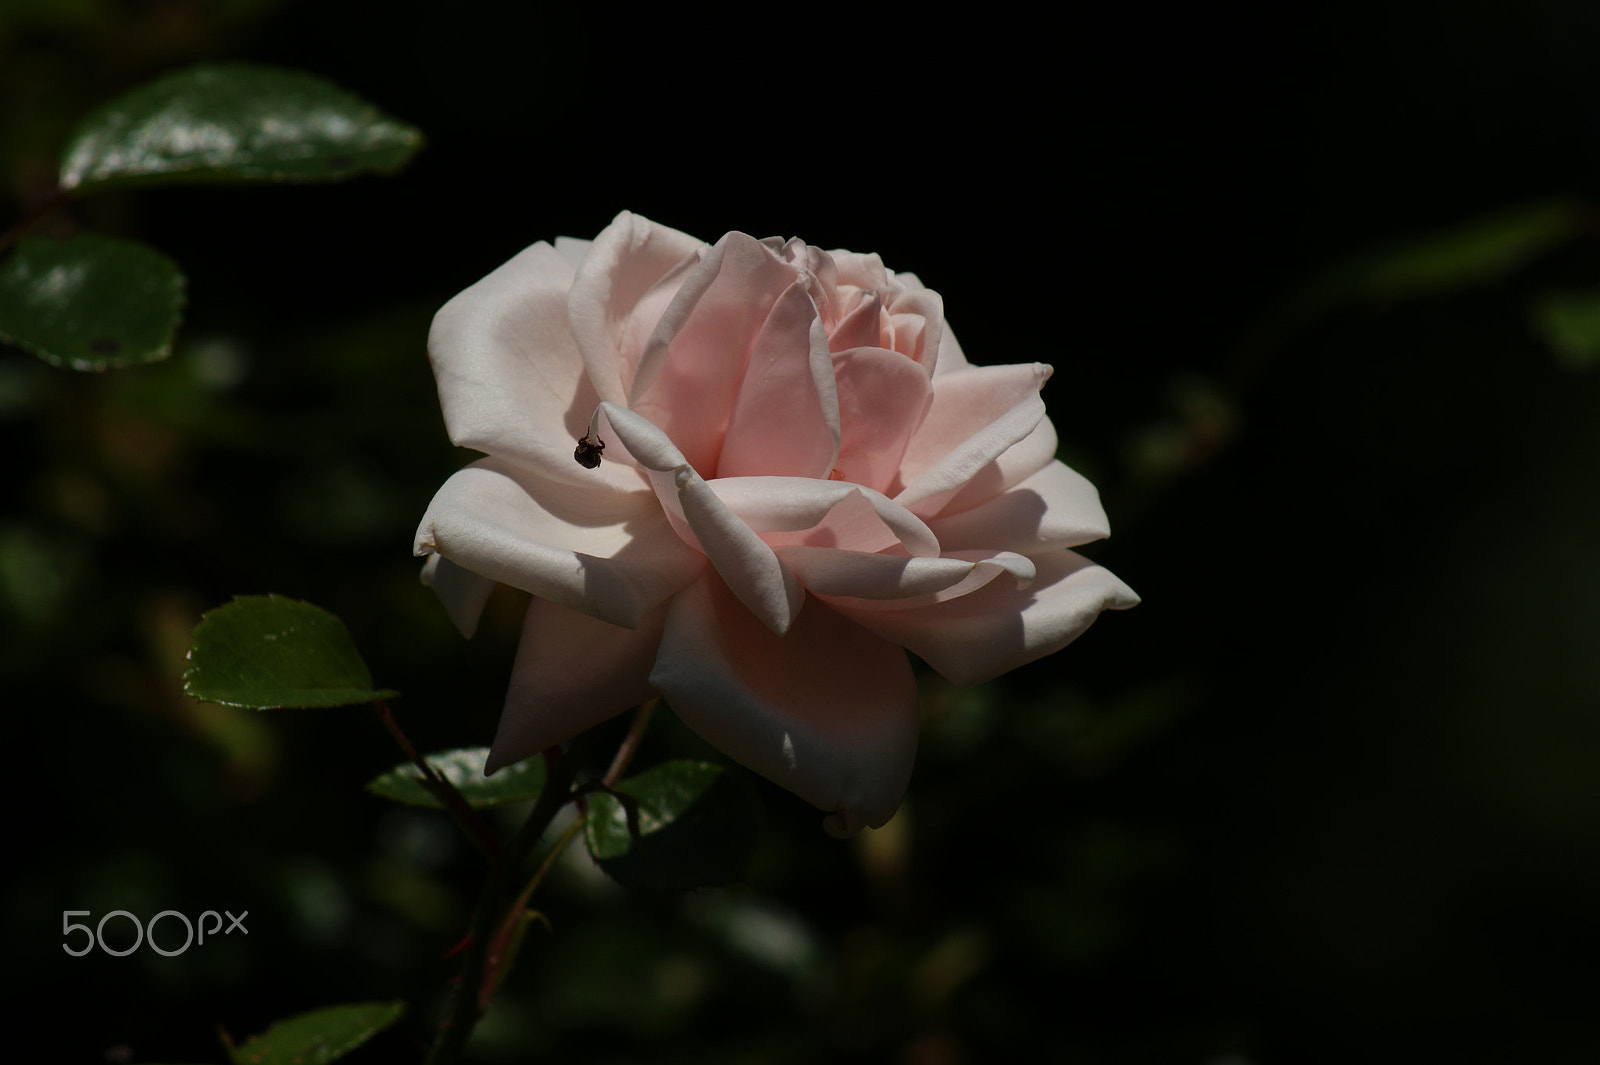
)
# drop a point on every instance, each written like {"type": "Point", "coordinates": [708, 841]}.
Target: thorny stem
{"type": "Point", "coordinates": [493, 928]}
{"type": "Point", "coordinates": [619, 764]}
{"type": "Point", "coordinates": [460, 810]}
{"type": "Point", "coordinates": [464, 1007]}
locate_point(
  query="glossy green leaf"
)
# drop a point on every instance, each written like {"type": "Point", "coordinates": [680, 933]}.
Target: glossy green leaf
{"type": "Point", "coordinates": [265, 651]}
{"type": "Point", "coordinates": [1570, 323]}
{"type": "Point", "coordinates": [91, 302]}
{"type": "Point", "coordinates": [320, 1036]}
{"type": "Point", "coordinates": [223, 122]}
{"type": "Point", "coordinates": [696, 827]}
{"type": "Point", "coordinates": [464, 769]}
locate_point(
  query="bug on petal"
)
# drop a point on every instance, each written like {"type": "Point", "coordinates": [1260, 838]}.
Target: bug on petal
{"type": "Point", "coordinates": [588, 451]}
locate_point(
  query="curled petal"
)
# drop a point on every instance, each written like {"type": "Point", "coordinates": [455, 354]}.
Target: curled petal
{"type": "Point", "coordinates": [511, 381]}
{"type": "Point", "coordinates": [917, 318]}
{"type": "Point", "coordinates": [463, 592]}
{"type": "Point", "coordinates": [976, 416]}
{"type": "Point", "coordinates": [1056, 507]}
{"type": "Point", "coordinates": [824, 514]}
{"type": "Point", "coordinates": [896, 579]}
{"type": "Point", "coordinates": [573, 250]}
{"type": "Point", "coordinates": [951, 358]}
{"type": "Point", "coordinates": [860, 325]}
{"type": "Point", "coordinates": [627, 260]}
{"type": "Point", "coordinates": [861, 269]}
{"type": "Point", "coordinates": [704, 521]}
{"type": "Point", "coordinates": [883, 397]}
{"type": "Point", "coordinates": [572, 672]}
{"type": "Point", "coordinates": [786, 419]}
{"type": "Point", "coordinates": [999, 627]}
{"type": "Point", "coordinates": [689, 373]}
{"type": "Point", "coordinates": [1009, 468]}
{"type": "Point", "coordinates": [610, 556]}
{"type": "Point", "coordinates": [828, 711]}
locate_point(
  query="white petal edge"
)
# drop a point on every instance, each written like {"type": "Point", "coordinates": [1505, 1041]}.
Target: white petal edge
{"type": "Point", "coordinates": [933, 487]}
{"type": "Point", "coordinates": [978, 568]}
{"type": "Point", "coordinates": [628, 257]}
{"type": "Point", "coordinates": [999, 627]}
{"type": "Point", "coordinates": [795, 504]}
{"type": "Point", "coordinates": [761, 582]}
{"type": "Point", "coordinates": [1056, 507]}
{"type": "Point", "coordinates": [511, 381]}
{"type": "Point", "coordinates": [613, 557]}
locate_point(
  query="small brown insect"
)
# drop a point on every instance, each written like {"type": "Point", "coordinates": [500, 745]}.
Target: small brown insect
{"type": "Point", "coordinates": [588, 451]}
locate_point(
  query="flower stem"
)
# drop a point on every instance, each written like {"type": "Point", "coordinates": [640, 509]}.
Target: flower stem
{"type": "Point", "coordinates": [465, 817]}
{"type": "Point", "coordinates": [488, 954]}
{"type": "Point", "coordinates": [630, 742]}
{"type": "Point", "coordinates": [467, 1005]}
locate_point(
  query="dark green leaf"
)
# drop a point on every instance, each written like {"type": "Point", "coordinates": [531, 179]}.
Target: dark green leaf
{"type": "Point", "coordinates": [264, 651]}
{"type": "Point", "coordinates": [90, 303]}
{"type": "Point", "coordinates": [234, 122]}
{"type": "Point", "coordinates": [320, 1036]}
{"type": "Point", "coordinates": [696, 827]}
{"type": "Point", "coordinates": [1570, 322]}
{"type": "Point", "coordinates": [464, 769]}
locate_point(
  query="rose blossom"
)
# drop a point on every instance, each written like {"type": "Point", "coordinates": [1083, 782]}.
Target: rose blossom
{"type": "Point", "coordinates": [801, 475]}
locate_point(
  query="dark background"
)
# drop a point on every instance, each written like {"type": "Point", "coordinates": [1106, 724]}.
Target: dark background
{"type": "Point", "coordinates": [1328, 795]}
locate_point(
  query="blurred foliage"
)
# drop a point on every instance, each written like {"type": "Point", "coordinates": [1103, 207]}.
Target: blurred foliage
{"type": "Point", "coordinates": [1327, 795]}
{"type": "Point", "coordinates": [89, 303]}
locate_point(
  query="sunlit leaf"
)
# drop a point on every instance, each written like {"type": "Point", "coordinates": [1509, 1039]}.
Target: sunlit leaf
{"type": "Point", "coordinates": [464, 769]}
{"type": "Point", "coordinates": [91, 302]}
{"type": "Point", "coordinates": [320, 1036]}
{"type": "Point", "coordinates": [265, 651]}
{"type": "Point", "coordinates": [1570, 323]}
{"type": "Point", "coordinates": [694, 825]}
{"type": "Point", "coordinates": [234, 122]}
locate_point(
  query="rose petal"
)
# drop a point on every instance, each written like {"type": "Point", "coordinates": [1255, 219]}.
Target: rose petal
{"type": "Point", "coordinates": [976, 415]}
{"type": "Point", "coordinates": [883, 397]}
{"type": "Point", "coordinates": [1006, 470]}
{"type": "Point", "coordinates": [625, 262]}
{"type": "Point", "coordinates": [511, 381]}
{"type": "Point", "coordinates": [704, 521]}
{"type": "Point", "coordinates": [689, 374]}
{"type": "Point", "coordinates": [893, 578]}
{"type": "Point", "coordinates": [827, 711]}
{"type": "Point", "coordinates": [862, 269]}
{"type": "Point", "coordinates": [816, 270]}
{"type": "Point", "coordinates": [951, 357]}
{"type": "Point", "coordinates": [572, 672]}
{"type": "Point", "coordinates": [786, 418]}
{"type": "Point", "coordinates": [917, 320]}
{"type": "Point", "coordinates": [999, 627]}
{"type": "Point", "coordinates": [463, 592]}
{"type": "Point", "coordinates": [967, 572]}
{"type": "Point", "coordinates": [573, 250]}
{"type": "Point", "coordinates": [788, 510]}
{"type": "Point", "coordinates": [861, 326]}
{"type": "Point", "coordinates": [614, 557]}
{"type": "Point", "coordinates": [1056, 507]}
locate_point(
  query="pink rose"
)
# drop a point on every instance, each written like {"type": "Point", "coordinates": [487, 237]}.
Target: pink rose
{"type": "Point", "coordinates": [801, 475]}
